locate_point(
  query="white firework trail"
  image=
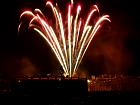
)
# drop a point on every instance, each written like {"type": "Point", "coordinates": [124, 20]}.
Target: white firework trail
{"type": "Point", "coordinates": [71, 45]}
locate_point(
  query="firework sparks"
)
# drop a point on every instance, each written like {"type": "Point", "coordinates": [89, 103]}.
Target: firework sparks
{"type": "Point", "coordinates": [71, 45]}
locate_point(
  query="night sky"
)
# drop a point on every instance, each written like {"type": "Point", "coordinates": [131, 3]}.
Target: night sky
{"type": "Point", "coordinates": [114, 50]}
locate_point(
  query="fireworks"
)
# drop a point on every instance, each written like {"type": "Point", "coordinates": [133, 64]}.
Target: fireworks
{"type": "Point", "coordinates": [69, 39]}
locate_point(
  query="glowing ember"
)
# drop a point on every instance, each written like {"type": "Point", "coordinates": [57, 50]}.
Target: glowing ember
{"type": "Point", "coordinates": [69, 43]}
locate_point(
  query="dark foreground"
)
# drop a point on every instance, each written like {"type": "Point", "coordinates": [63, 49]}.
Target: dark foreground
{"type": "Point", "coordinates": [95, 98]}
{"type": "Point", "coordinates": [62, 92]}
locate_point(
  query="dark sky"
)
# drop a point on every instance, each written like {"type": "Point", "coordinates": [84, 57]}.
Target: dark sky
{"type": "Point", "coordinates": [115, 49]}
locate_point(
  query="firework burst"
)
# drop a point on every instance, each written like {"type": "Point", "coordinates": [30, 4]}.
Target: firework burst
{"type": "Point", "coordinates": [69, 39]}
